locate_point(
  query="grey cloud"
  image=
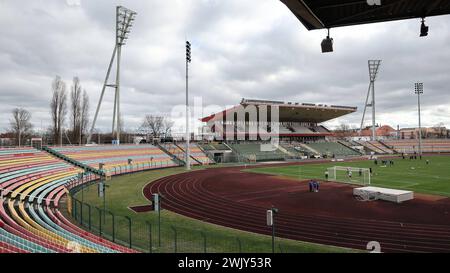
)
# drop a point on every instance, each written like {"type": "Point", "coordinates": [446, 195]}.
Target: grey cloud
{"type": "Point", "coordinates": [252, 49]}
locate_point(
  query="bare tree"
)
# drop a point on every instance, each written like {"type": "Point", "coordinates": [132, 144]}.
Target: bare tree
{"type": "Point", "coordinates": [20, 124]}
{"type": "Point", "coordinates": [75, 108]}
{"type": "Point", "coordinates": [84, 115]}
{"type": "Point", "coordinates": [168, 125]}
{"type": "Point", "coordinates": [157, 126]}
{"type": "Point", "coordinates": [440, 130]}
{"type": "Point", "coordinates": [343, 131]}
{"type": "Point", "coordinates": [58, 108]}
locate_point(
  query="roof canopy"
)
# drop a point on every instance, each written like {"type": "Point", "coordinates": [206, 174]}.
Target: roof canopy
{"type": "Point", "coordinates": [318, 14]}
{"type": "Point", "coordinates": [293, 112]}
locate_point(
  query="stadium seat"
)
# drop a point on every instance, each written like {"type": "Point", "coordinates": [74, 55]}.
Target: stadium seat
{"type": "Point", "coordinates": [115, 158]}
{"type": "Point", "coordinates": [253, 151]}
{"type": "Point", "coordinates": [27, 175]}
{"type": "Point", "coordinates": [412, 145]}
{"type": "Point", "coordinates": [332, 148]}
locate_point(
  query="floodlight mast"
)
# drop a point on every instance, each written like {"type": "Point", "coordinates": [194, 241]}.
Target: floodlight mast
{"type": "Point", "coordinates": [124, 22]}
{"type": "Point", "coordinates": [418, 92]}
{"type": "Point", "coordinates": [374, 66]}
{"type": "Point", "coordinates": [188, 137]}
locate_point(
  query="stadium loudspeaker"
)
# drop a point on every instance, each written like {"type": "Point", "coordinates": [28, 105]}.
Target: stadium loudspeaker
{"type": "Point", "coordinates": [155, 203]}
{"type": "Point", "coordinates": [269, 218]}
{"type": "Point", "coordinates": [327, 45]}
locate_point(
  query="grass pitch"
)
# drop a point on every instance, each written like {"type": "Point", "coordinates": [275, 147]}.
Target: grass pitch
{"type": "Point", "coordinates": [414, 175]}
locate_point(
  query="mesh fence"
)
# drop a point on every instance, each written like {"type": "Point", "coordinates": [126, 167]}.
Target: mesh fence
{"type": "Point", "coordinates": [148, 236]}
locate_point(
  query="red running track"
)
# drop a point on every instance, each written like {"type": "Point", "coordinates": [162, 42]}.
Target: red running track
{"type": "Point", "coordinates": [236, 199]}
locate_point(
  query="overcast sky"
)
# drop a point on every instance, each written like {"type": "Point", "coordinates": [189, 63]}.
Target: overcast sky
{"type": "Point", "coordinates": [240, 49]}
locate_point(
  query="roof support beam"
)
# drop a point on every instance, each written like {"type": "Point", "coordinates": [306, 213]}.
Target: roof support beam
{"type": "Point", "coordinates": [304, 14]}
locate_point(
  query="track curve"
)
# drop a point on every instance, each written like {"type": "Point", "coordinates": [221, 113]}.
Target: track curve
{"type": "Point", "coordinates": [236, 199]}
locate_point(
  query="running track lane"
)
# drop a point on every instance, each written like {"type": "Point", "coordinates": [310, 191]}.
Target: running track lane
{"type": "Point", "coordinates": [189, 194]}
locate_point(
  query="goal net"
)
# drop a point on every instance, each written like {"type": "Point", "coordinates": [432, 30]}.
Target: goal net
{"type": "Point", "coordinates": [351, 175]}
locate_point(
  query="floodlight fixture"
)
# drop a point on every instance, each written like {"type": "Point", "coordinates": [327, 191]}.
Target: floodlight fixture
{"type": "Point", "coordinates": [419, 88]}
{"type": "Point", "coordinates": [124, 23]}
{"type": "Point", "coordinates": [188, 52]}
{"type": "Point", "coordinates": [423, 29]}
{"type": "Point", "coordinates": [374, 66]}
{"type": "Point", "coordinates": [327, 44]}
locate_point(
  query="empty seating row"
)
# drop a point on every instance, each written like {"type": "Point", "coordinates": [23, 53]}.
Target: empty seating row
{"type": "Point", "coordinates": [179, 150]}
{"type": "Point", "coordinates": [412, 145]}
{"type": "Point", "coordinates": [302, 130]}
{"type": "Point", "coordinates": [113, 156]}
{"type": "Point", "coordinates": [196, 153]}
{"type": "Point", "coordinates": [371, 147]}
{"type": "Point", "coordinates": [258, 152]}
{"type": "Point", "coordinates": [214, 147]}
{"type": "Point", "coordinates": [27, 209]}
{"type": "Point", "coordinates": [294, 149]}
{"type": "Point", "coordinates": [332, 148]}
{"type": "Point", "coordinates": [380, 146]}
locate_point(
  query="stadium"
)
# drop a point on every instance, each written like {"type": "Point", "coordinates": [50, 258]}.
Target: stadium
{"type": "Point", "coordinates": [263, 176]}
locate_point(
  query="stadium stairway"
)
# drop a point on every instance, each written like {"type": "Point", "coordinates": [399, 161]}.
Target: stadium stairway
{"type": "Point", "coordinates": [196, 153]}
{"type": "Point", "coordinates": [59, 155]}
{"type": "Point", "coordinates": [349, 145]}
{"type": "Point", "coordinates": [310, 149]}
{"type": "Point", "coordinates": [173, 156]}
{"type": "Point", "coordinates": [295, 149]}
{"type": "Point", "coordinates": [332, 148]}
{"type": "Point", "coordinates": [178, 153]}
{"type": "Point", "coordinates": [371, 148]}
{"type": "Point", "coordinates": [379, 145]}
{"type": "Point", "coordinates": [387, 148]}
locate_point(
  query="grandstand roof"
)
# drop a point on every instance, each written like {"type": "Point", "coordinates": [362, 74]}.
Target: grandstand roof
{"type": "Point", "coordinates": [293, 112]}
{"type": "Point", "coordinates": [316, 14]}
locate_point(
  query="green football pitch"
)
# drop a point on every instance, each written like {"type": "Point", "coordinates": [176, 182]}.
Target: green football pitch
{"type": "Point", "coordinates": [414, 175]}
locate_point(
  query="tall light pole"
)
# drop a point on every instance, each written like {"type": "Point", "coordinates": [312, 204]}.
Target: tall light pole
{"type": "Point", "coordinates": [124, 22]}
{"type": "Point", "coordinates": [419, 91]}
{"type": "Point", "coordinates": [374, 66]}
{"type": "Point", "coordinates": [188, 137]}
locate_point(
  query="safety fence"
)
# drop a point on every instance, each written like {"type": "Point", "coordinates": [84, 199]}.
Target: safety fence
{"type": "Point", "coordinates": [153, 236]}
{"type": "Point", "coordinates": [151, 232]}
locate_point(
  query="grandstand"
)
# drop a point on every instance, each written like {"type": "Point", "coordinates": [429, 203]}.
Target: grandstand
{"type": "Point", "coordinates": [332, 149]}
{"type": "Point", "coordinates": [369, 147]}
{"type": "Point", "coordinates": [294, 149]}
{"type": "Point", "coordinates": [196, 153]}
{"type": "Point", "coordinates": [33, 183]}
{"type": "Point", "coordinates": [178, 151]}
{"type": "Point", "coordinates": [382, 147]}
{"type": "Point", "coordinates": [116, 158]}
{"type": "Point", "coordinates": [214, 147]}
{"type": "Point", "coordinates": [411, 145]}
{"type": "Point", "coordinates": [296, 121]}
{"type": "Point", "coordinates": [292, 124]}
{"type": "Point", "coordinates": [254, 152]}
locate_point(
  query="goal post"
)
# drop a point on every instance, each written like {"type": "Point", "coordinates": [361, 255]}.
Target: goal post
{"type": "Point", "coordinates": [350, 175]}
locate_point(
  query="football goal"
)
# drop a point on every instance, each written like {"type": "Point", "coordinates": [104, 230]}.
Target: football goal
{"type": "Point", "coordinates": [351, 175]}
